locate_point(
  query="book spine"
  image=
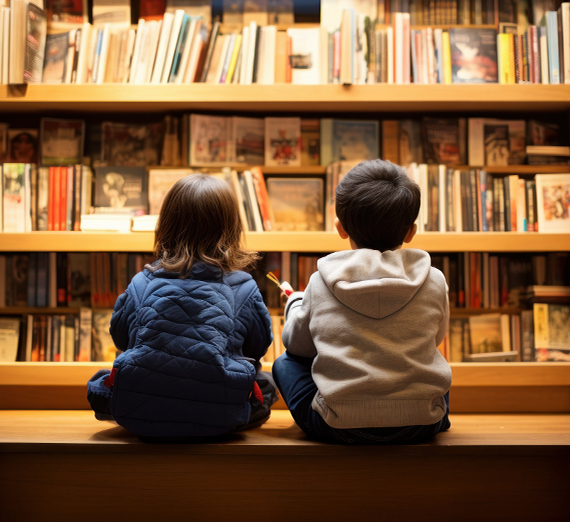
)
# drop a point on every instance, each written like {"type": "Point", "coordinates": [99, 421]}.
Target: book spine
{"type": "Point", "coordinates": [62, 198]}
{"type": "Point", "coordinates": [552, 37]}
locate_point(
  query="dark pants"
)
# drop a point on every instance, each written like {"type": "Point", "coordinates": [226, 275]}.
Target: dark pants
{"type": "Point", "coordinates": [99, 397]}
{"type": "Point", "coordinates": [293, 378]}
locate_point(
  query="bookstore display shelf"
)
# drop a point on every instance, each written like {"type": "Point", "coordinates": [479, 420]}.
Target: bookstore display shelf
{"type": "Point", "coordinates": [464, 374]}
{"type": "Point", "coordinates": [286, 241]}
{"type": "Point", "coordinates": [284, 97]}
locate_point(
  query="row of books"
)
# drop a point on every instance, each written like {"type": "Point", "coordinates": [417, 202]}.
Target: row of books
{"type": "Point", "coordinates": [82, 337]}
{"type": "Point", "coordinates": [474, 201]}
{"type": "Point", "coordinates": [491, 281]}
{"type": "Point", "coordinates": [61, 279]}
{"type": "Point", "coordinates": [214, 141]}
{"type": "Point", "coordinates": [179, 49]}
{"type": "Point", "coordinates": [541, 334]}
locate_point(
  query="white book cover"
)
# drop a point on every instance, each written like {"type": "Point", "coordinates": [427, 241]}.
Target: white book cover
{"type": "Point", "coordinates": [136, 50]}
{"type": "Point", "coordinates": [347, 37]}
{"type": "Point", "coordinates": [553, 202]}
{"type": "Point", "coordinates": [9, 337]}
{"type": "Point", "coordinates": [266, 68]}
{"type": "Point", "coordinates": [544, 70]}
{"type": "Point", "coordinates": [185, 57]}
{"type": "Point", "coordinates": [174, 34]}
{"type": "Point", "coordinates": [198, 41]}
{"type": "Point", "coordinates": [244, 53]}
{"type": "Point", "coordinates": [209, 140]}
{"type": "Point", "coordinates": [5, 44]}
{"type": "Point", "coordinates": [250, 57]}
{"type": "Point", "coordinates": [14, 197]}
{"type": "Point", "coordinates": [565, 11]}
{"type": "Point", "coordinates": [305, 59]}
{"type": "Point", "coordinates": [151, 49]}
{"type": "Point", "coordinates": [167, 22]}
{"type": "Point", "coordinates": [282, 141]}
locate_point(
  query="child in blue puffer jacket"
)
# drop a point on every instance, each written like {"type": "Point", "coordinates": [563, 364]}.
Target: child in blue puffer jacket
{"type": "Point", "coordinates": [192, 327]}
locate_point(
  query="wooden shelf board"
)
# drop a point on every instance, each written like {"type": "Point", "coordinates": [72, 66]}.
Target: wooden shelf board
{"type": "Point", "coordinates": [286, 241]}
{"type": "Point", "coordinates": [464, 374]}
{"type": "Point", "coordinates": [284, 98]}
{"type": "Point", "coordinates": [521, 169]}
{"type": "Point", "coordinates": [21, 310]}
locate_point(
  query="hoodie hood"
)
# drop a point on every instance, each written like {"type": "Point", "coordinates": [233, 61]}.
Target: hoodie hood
{"type": "Point", "coordinates": [372, 283]}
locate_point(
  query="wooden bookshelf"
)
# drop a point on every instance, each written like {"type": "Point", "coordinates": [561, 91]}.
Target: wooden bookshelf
{"type": "Point", "coordinates": [284, 98]}
{"type": "Point", "coordinates": [286, 241]}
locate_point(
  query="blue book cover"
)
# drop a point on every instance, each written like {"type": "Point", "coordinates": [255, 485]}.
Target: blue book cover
{"type": "Point", "coordinates": [180, 44]}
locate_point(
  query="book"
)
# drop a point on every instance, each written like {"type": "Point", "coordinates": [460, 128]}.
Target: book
{"type": "Point", "coordinates": [55, 60]}
{"type": "Point", "coordinates": [553, 202]}
{"type": "Point", "coordinates": [297, 203]}
{"type": "Point", "coordinates": [36, 29]}
{"type": "Point", "coordinates": [159, 183]}
{"type": "Point", "coordinates": [349, 140]}
{"type": "Point", "coordinates": [444, 140]}
{"type": "Point", "coordinates": [551, 332]}
{"type": "Point", "coordinates": [61, 141]}
{"type": "Point", "coordinates": [262, 195]}
{"type": "Point", "coordinates": [16, 193]}
{"type": "Point", "coordinates": [119, 189]}
{"type": "Point", "coordinates": [113, 12]}
{"type": "Point", "coordinates": [209, 140]}
{"type": "Point", "coordinates": [79, 279]}
{"type": "Point", "coordinates": [107, 222]}
{"type": "Point", "coordinates": [304, 57]}
{"type": "Point", "coordinates": [473, 55]}
{"type": "Point", "coordinates": [486, 334]}
{"type": "Point", "coordinates": [9, 338]}
{"type": "Point", "coordinates": [102, 345]}
{"type": "Point", "coordinates": [247, 141]}
{"type": "Point", "coordinates": [310, 141]}
{"type": "Point", "coordinates": [496, 144]}
{"type": "Point", "coordinates": [282, 141]}
{"type": "Point", "coordinates": [23, 145]}
{"type": "Point", "coordinates": [131, 145]}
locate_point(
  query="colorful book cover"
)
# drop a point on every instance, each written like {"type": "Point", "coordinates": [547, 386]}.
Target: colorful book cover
{"type": "Point", "coordinates": [55, 58]}
{"type": "Point", "coordinates": [552, 332]}
{"type": "Point", "coordinates": [209, 140]}
{"type": "Point", "coordinates": [283, 141]}
{"type": "Point", "coordinates": [553, 202]}
{"type": "Point", "coordinates": [247, 141]}
{"type": "Point", "coordinates": [120, 189]}
{"type": "Point", "coordinates": [443, 141]}
{"type": "Point", "coordinates": [132, 145]}
{"type": "Point", "coordinates": [61, 141]}
{"type": "Point", "coordinates": [496, 138]}
{"type": "Point", "coordinates": [23, 145]}
{"type": "Point", "coordinates": [36, 29]}
{"type": "Point", "coordinates": [473, 55]}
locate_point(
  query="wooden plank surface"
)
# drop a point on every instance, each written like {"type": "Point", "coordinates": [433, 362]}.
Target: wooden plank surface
{"type": "Point", "coordinates": [57, 431]}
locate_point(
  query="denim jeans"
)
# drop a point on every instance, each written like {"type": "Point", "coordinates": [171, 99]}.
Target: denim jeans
{"type": "Point", "coordinates": [294, 380]}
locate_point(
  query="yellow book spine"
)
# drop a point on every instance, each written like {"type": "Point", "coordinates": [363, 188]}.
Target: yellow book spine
{"type": "Point", "coordinates": [506, 75]}
{"type": "Point", "coordinates": [447, 78]}
{"type": "Point", "coordinates": [233, 61]}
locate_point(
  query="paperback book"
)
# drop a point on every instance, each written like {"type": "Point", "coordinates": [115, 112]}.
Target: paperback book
{"type": "Point", "coordinates": [473, 55]}
{"type": "Point", "coordinates": [61, 141]}
{"type": "Point", "coordinates": [132, 145]}
{"type": "Point", "coordinates": [349, 140]}
{"type": "Point", "coordinates": [553, 202]}
{"type": "Point", "coordinates": [283, 141]}
{"type": "Point", "coordinates": [121, 189]}
{"type": "Point", "coordinates": [209, 140]}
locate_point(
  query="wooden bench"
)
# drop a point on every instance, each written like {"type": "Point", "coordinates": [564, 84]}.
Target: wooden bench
{"type": "Point", "coordinates": [65, 466]}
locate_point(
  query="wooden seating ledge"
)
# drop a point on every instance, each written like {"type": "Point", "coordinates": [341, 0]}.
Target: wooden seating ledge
{"type": "Point", "coordinates": [66, 465]}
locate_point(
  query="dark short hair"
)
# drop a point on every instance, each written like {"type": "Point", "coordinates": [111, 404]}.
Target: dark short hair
{"type": "Point", "coordinates": [376, 204]}
{"type": "Point", "coordinates": [199, 221]}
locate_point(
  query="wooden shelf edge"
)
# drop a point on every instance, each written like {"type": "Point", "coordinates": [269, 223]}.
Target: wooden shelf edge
{"type": "Point", "coordinates": [464, 374]}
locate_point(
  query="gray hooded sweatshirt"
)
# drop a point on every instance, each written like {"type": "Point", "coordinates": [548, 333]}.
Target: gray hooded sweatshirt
{"type": "Point", "coordinates": [372, 321]}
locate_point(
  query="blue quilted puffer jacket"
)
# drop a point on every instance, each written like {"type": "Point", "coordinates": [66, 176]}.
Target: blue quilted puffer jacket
{"type": "Point", "coordinates": [191, 346]}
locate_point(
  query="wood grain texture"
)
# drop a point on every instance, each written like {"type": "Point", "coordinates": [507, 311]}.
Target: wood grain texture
{"type": "Point", "coordinates": [65, 466]}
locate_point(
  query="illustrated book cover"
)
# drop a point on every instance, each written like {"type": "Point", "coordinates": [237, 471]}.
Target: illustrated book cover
{"type": "Point", "coordinates": [473, 55]}
{"type": "Point", "coordinates": [121, 189]}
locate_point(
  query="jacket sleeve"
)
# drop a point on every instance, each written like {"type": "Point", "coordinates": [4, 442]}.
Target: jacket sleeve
{"type": "Point", "coordinates": [259, 335]}
{"type": "Point", "coordinates": [296, 334]}
{"type": "Point", "coordinates": [124, 315]}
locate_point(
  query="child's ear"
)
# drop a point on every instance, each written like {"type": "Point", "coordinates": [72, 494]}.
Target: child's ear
{"type": "Point", "coordinates": [411, 233]}
{"type": "Point", "coordinates": [339, 228]}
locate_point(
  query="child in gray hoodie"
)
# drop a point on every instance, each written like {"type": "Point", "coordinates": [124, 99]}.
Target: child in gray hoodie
{"type": "Point", "coordinates": [362, 364]}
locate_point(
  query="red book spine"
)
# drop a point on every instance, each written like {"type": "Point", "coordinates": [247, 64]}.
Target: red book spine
{"type": "Point", "coordinates": [56, 198]}
{"type": "Point", "coordinates": [63, 198]}
{"type": "Point", "coordinates": [289, 71]}
{"type": "Point", "coordinates": [51, 181]}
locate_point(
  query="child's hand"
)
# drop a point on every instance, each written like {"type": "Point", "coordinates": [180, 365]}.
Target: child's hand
{"type": "Point", "coordinates": [286, 288]}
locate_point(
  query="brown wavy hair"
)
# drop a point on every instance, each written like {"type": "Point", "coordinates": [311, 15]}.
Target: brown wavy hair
{"type": "Point", "coordinates": [199, 221]}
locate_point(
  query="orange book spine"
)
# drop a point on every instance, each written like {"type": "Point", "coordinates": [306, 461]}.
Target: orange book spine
{"type": "Point", "coordinates": [51, 198]}
{"type": "Point", "coordinates": [289, 71]}
{"type": "Point", "coordinates": [263, 199]}
{"type": "Point", "coordinates": [56, 198]}
{"type": "Point", "coordinates": [63, 198]}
